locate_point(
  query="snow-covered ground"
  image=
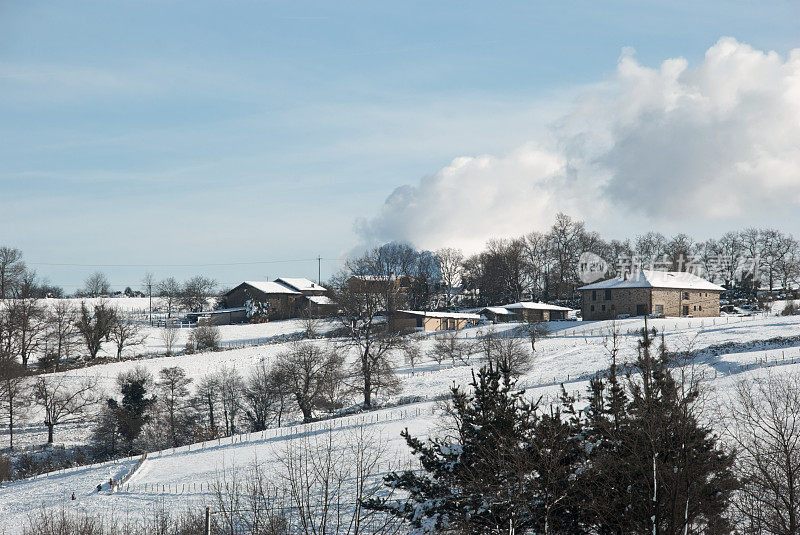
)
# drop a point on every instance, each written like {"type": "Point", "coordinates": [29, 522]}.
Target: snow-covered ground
{"type": "Point", "coordinates": [573, 353]}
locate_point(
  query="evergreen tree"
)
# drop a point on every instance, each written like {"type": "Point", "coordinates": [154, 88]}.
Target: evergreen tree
{"type": "Point", "coordinates": [653, 467]}
{"type": "Point", "coordinates": [132, 413]}
{"type": "Point", "coordinates": [508, 469]}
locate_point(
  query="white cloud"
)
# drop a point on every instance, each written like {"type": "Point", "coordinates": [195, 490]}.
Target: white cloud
{"type": "Point", "coordinates": [676, 146]}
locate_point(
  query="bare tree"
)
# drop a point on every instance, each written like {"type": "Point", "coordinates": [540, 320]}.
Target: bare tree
{"type": "Point", "coordinates": [11, 269]}
{"type": "Point", "coordinates": [169, 336]}
{"type": "Point", "coordinates": [537, 251]}
{"type": "Point", "coordinates": [535, 331]}
{"type": "Point", "coordinates": [564, 245]}
{"type": "Point", "coordinates": [788, 265]}
{"type": "Point", "coordinates": [13, 393]}
{"type": "Point", "coordinates": [311, 324]}
{"type": "Point", "coordinates": [61, 335]}
{"type": "Point", "coordinates": [762, 423]}
{"type": "Point", "coordinates": [362, 316]}
{"type": "Point", "coordinates": [752, 272]}
{"type": "Point", "coordinates": [260, 401]}
{"type": "Point", "coordinates": [507, 352]}
{"type": "Point", "coordinates": [61, 402]}
{"type": "Point", "coordinates": [730, 252]}
{"type": "Point", "coordinates": [450, 261]}
{"type": "Point", "coordinates": [248, 504]}
{"type": "Point", "coordinates": [169, 290]}
{"type": "Point", "coordinates": [195, 293]}
{"type": "Point", "coordinates": [207, 401]}
{"type": "Point", "coordinates": [281, 392]}
{"type": "Point", "coordinates": [96, 285]}
{"type": "Point", "coordinates": [679, 252]}
{"type": "Point", "coordinates": [774, 247]}
{"type": "Point", "coordinates": [205, 337]}
{"type": "Point", "coordinates": [231, 387]}
{"type": "Point", "coordinates": [95, 325]}
{"type": "Point", "coordinates": [450, 346]}
{"type": "Point", "coordinates": [125, 332]}
{"type": "Point", "coordinates": [314, 374]}
{"type": "Point", "coordinates": [327, 482]}
{"type": "Point", "coordinates": [148, 285]}
{"type": "Point", "coordinates": [650, 248]}
{"type": "Point", "coordinates": [412, 353]}
{"type": "Point", "coordinates": [173, 385]}
{"type": "Point", "coordinates": [26, 316]}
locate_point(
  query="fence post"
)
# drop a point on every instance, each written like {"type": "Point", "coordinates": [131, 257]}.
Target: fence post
{"type": "Point", "coordinates": [207, 530]}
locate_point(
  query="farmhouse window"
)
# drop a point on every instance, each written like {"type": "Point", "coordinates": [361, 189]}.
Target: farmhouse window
{"type": "Point", "coordinates": [686, 295]}
{"type": "Point", "coordinates": [608, 295]}
{"type": "Point", "coordinates": [594, 295]}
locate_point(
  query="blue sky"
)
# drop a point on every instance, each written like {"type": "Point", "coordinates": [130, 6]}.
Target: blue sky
{"type": "Point", "coordinates": [170, 132]}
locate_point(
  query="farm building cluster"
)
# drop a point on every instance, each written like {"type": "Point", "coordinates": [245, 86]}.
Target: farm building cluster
{"type": "Point", "coordinates": [640, 293]}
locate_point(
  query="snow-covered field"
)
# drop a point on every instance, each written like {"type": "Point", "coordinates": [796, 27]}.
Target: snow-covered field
{"type": "Point", "coordinates": [572, 353]}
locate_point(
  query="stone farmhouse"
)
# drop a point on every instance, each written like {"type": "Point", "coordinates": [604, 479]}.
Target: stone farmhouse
{"type": "Point", "coordinates": [644, 292]}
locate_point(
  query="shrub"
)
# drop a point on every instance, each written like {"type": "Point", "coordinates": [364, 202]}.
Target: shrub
{"type": "Point", "coordinates": [205, 337]}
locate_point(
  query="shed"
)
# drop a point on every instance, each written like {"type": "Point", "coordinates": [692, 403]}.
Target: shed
{"type": "Point", "coordinates": [419, 320]}
{"type": "Point", "coordinates": [532, 312]}
{"type": "Point", "coordinates": [223, 316]}
{"type": "Point", "coordinates": [498, 314]}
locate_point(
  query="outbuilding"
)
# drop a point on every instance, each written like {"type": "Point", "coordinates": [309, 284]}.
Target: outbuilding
{"type": "Point", "coordinates": [420, 320]}
{"type": "Point", "coordinates": [533, 312]}
{"type": "Point", "coordinates": [498, 314]}
{"type": "Point", "coordinates": [222, 316]}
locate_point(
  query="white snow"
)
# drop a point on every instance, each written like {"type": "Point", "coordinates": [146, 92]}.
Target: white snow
{"type": "Point", "coordinates": [682, 280]}
{"type": "Point", "coordinates": [269, 287]}
{"type": "Point", "coordinates": [570, 355]}
{"type": "Point", "coordinates": [300, 284]}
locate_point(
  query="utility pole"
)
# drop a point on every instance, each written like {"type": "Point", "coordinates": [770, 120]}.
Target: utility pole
{"type": "Point", "coordinates": [319, 270]}
{"type": "Point", "coordinates": [207, 530]}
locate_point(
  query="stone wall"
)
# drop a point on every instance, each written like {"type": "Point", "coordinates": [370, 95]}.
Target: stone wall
{"type": "Point", "coordinates": [631, 300]}
{"type": "Point", "coordinates": [701, 304]}
{"type": "Point", "coordinates": [622, 301]}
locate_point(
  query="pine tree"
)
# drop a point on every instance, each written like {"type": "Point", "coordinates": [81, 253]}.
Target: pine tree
{"type": "Point", "coordinates": [654, 467]}
{"type": "Point", "coordinates": [509, 469]}
{"type": "Point", "coordinates": [132, 414]}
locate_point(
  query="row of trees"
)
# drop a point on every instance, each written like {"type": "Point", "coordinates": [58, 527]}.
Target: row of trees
{"type": "Point", "coordinates": [547, 265]}
{"type": "Point", "coordinates": [17, 280]}
{"type": "Point", "coordinates": [55, 333]}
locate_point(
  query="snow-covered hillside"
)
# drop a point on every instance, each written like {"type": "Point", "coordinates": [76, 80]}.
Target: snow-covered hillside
{"type": "Point", "coordinates": [574, 352]}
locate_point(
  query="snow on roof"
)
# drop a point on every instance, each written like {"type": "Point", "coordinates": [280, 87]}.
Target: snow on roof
{"type": "Point", "coordinates": [498, 310]}
{"type": "Point", "coordinates": [269, 287]}
{"type": "Point", "coordinates": [321, 300]}
{"type": "Point", "coordinates": [536, 306]}
{"type": "Point", "coordinates": [680, 280]}
{"type": "Point", "coordinates": [452, 315]}
{"type": "Point", "coordinates": [299, 283]}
